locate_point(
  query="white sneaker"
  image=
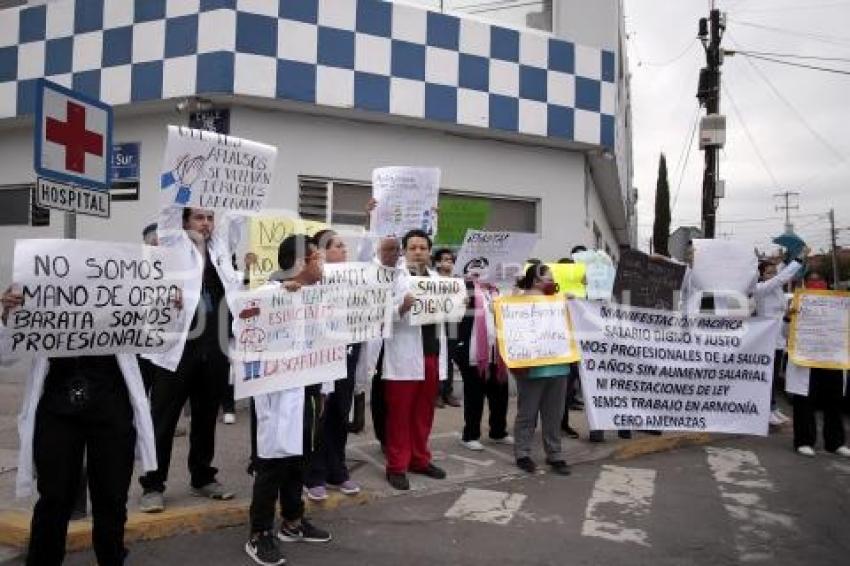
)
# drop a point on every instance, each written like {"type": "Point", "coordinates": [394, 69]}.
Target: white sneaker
{"type": "Point", "coordinates": [473, 445]}
{"type": "Point", "coordinates": [774, 420]}
{"type": "Point", "coordinates": [843, 451]}
{"type": "Point", "coordinates": [229, 418]}
{"type": "Point", "coordinates": [507, 440]}
{"type": "Point", "coordinates": [782, 416]}
{"type": "Point", "coordinates": [810, 452]}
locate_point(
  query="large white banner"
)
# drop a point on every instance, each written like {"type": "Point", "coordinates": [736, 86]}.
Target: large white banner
{"type": "Point", "coordinates": [407, 199]}
{"type": "Point", "coordinates": [208, 170]}
{"type": "Point", "coordinates": [437, 300]}
{"type": "Point", "coordinates": [665, 370]}
{"type": "Point", "coordinates": [819, 335]}
{"type": "Point", "coordinates": [495, 256]}
{"type": "Point", "coordinates": [85, 298]}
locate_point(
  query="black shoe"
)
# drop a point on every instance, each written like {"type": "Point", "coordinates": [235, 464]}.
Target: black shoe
{"type": "Point", "coordinates": [559, 467]}
{"type": "Point", "coordinates": [432, 471]}
{"type": "Point", "coordinates": [576, 406]}
{"type": "Point", "coordinates": [398, 481]}
{"type": "Point", "coordinates": [262, 548]}
{"type": "Point", "coordinates": [652, 432]}
{"type": "Point", "coordinates": [624, 434]}
{"type": "Point", "coordinates": [596, 436]}
{"type": "Point", "coordinates": [304, 531]}
{"type": "Point", "coordinates": [570, 431]}
{"type": "Point", "coordinates": [526, 464]}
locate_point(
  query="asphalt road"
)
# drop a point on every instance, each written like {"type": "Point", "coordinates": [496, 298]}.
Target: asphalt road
{"type": "Point", "coordinates": [739, 501]}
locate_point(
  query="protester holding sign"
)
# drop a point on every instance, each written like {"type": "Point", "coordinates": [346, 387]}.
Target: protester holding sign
{"type": "Point", "coordinates": [195, 369]}
{"type": "Point", "coordinates": [283, 441]}
{"type": "Point", "coordinates": [444, 263]}
{"type": "Point", "coordinates": [540, 390]}
{"type": "Point", "coordinates": [326, 466]}
{"type": "Point", "coordinates": [484, 373]}
{"type": "Point", "coordinates": [414, 363]}
{"type": "Point", "coordinates": [92, 405]}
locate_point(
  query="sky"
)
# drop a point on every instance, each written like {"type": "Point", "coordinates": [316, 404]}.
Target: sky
{"type": "Point", "coordinates": [788, 129]}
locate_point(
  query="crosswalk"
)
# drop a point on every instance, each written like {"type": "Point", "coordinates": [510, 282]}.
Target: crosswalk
{"type": "Point", "coordinates": [623, 500]}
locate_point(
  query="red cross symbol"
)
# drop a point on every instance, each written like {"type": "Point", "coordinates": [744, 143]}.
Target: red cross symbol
{"type": "Point", "coordinates": [78, 141]}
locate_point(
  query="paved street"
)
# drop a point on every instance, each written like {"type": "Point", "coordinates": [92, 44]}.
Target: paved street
{"type": "Point", "coordinates": [747, 500]}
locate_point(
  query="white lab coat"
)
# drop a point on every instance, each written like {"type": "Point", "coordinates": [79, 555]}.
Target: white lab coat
{"type": "Point", "coordinates": [145, 444]}
{"type": "Point", "coordinates": [403, 358]}
{"type": "Point", "coordinates": [172, 235]}
{"type": "Point", "coordinates": [770, 298]}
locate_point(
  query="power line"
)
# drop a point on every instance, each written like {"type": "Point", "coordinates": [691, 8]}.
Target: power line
{"type": "Point", "coordinates": [793, 110]}
{"type": "Point", "coordinates": [687, 153]}
{"type": "Point", "coordinates": [750, 136]}
{"type": "Point", "coordinates": [833, 40]}
{"type": "Point", "coordinates": [789, 55]}
{"type": "Point", "coordinates": [687, 49]}
{"type": "Point", "coordinates": [793, 64]}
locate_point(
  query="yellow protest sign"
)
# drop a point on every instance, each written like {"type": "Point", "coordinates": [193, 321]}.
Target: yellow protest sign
{"type": "Point", "coordinates": [265, 233]}
{"type": "Point", "coordinates": [819, 335]}
{"type": "Point", "coordinates": [570, 278]}
{"type": "Point", "coordinates": [535, 330]}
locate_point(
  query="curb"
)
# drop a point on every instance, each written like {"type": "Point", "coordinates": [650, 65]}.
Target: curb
{"type": "Point", "coordinates": [15, 525]}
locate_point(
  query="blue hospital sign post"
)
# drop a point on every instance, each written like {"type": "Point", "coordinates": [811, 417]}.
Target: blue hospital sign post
{"type": "Point", "coordinates": [73, 153]}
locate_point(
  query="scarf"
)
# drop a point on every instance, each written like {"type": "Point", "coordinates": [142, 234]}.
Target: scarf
{"type": "Point", "coordinates": [482, 344]}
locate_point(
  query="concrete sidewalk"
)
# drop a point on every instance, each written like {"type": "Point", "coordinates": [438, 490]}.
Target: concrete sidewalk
{"type": "Point", "coordinates": [187, 514]}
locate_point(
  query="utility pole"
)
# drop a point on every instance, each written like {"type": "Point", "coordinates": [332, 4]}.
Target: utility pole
{"type": "Point", "coordinates": [834, 248]}
{"type": "Point", "coordinates": [710, 34]}
{"type": "Point", "coordinates": [787, 207]}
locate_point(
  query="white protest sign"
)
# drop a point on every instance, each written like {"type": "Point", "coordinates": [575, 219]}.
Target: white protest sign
{"type": "Point", "coordinates": [723, 266]}
{"type": "Point", "coordinates": [208, 170]}
{"type": "Point", "coordinates": [437, 300]}
{"type": "Point", "coordinates": [407, 200]}
{"type": "Point", "coordinates": [600, 274]}
{"type": "Point", "coordinates": [534, 330]}
{"type": "Point", "coordinates": [362, 298]}
{"type": "Point", "coordinates": [284, 340]}
{"type": "Point", "coordinates": [819, 335]}
{"type": "Point", "coordinates": [665, 370]}
{"type": "Point", "coordinates": [496, 256]}
{"type": "Point", "coordinates": [85, 298]}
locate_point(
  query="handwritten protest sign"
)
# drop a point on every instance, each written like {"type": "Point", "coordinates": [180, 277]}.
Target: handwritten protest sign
{"type": "Point", "coordinates": [437, 300]}
{"type": "Point", "coordinates": [664, 370]}
{"type": "Point", "coordinates": [265, 233]}
{"type": "Point", "coordinates": [534, 331]}
{"type": "Point", "coordinates": [647, 282]}
{"type": "Point", "coordinates": [819, 336]}
{"type": "Point", "coordinates": [209, 170]}
{"type": "Point", "coordinates": [282, 341]}
{"type": "Point", "coordinates": [599, 274]}
{"type": "Point", "coordinates": [407, 199]}
{"type": "Point", "coordinates": [496, 256]}
{"type": "Point", "coordinates": [84, 298]}
{"type": "Point", "coordinates": [361, 295]}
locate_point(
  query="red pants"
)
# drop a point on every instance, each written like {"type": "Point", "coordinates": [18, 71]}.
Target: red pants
{"type": "Point", "coordinates": [410, 415]}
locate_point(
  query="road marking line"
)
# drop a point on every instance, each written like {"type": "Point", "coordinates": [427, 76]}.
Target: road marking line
{"type": "Point", "coordinates": [621, 497]}
{"type": "Point", "coordinates": [743, 481]}
{"type": "Point", "coordinates": [486, 506]}
{"type": "Point", "coordinates": [473, 461]}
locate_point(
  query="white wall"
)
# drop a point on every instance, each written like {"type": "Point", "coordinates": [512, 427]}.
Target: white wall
{"type": "Point", "coordinates": [331, 147]}
{"type": "Point", "coordinates": [595, 23]}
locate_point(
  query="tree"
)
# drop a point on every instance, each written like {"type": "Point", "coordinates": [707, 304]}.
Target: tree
{"type": "Point", "coordinates": [661, 226]}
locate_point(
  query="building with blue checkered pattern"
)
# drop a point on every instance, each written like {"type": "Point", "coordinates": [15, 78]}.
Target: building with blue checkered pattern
{"type": "Point", "coordinates": [530, 126]}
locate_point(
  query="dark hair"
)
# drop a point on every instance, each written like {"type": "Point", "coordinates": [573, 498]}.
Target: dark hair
{"type": "Point", "coordinates": [149, 228]}
{"type": "Point", "coordinates": [565, 260]}
{"type": "Point", "coordinates": [577, 249]}
{"type": "Point", "coordinates": [532, 272]}
{"type": "Point", "coordinates": [438, 255]}
{"type": "Point", "coordinates": [293, 247]}
{"type": "Point", "coordinates": [415, 234]}
{"type": "Point", "coordinates": [187, 212]}
{"type": "Point", "coordinates": [811, 272]}
{"type": "Point", "coordinates": [763, 265]}
{"type": "Point", "coordinates": [323, 238]}
{"type": "Point", "coordinates": [534, 261]}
